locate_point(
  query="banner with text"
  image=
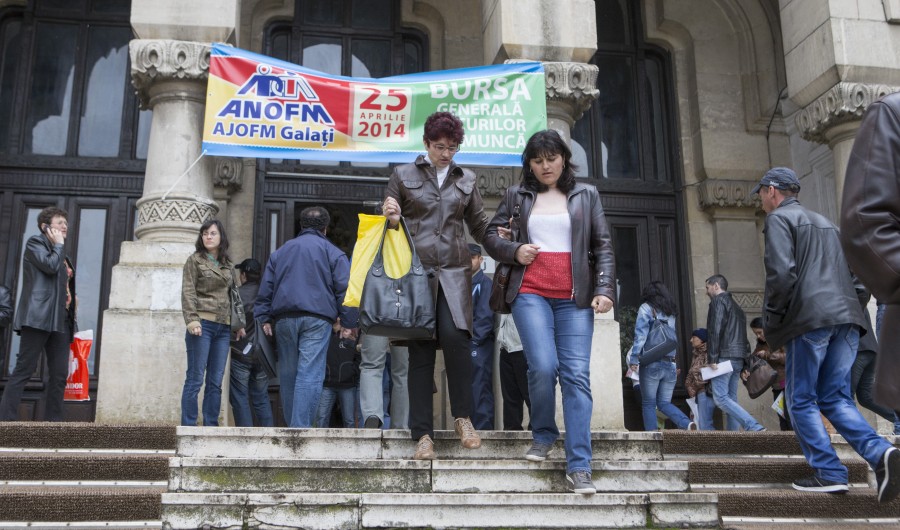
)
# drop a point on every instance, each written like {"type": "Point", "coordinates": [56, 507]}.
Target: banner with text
{"type": "Point", "coordinates": [262, 107]}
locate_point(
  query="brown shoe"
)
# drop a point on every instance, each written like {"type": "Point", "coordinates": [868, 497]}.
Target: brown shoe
{"type": "Point", "coordinates": [424, 449]}
{"type": "Point", "coordinates": [467, 433]}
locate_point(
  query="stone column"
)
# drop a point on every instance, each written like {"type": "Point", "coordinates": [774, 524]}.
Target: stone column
{"type": "Point", "coordinates": [834, 118]}
{"type": "Point", "coordinates": [143, 362]}
{"type": "Point", "coordinates": [571, 88]}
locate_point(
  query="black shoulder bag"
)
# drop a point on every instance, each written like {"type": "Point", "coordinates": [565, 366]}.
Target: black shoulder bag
{"type": "Point", "coordinates": [500, 285]}
{"type": "Point", "coordinates": [401, 308]}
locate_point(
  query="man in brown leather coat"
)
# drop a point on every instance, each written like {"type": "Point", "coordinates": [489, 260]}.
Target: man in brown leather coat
{"type": "Point", "coordinates": [870, 230]}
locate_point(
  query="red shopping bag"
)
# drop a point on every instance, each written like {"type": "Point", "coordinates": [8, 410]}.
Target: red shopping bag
{"type": "Point", "coordinates": [79, 374]}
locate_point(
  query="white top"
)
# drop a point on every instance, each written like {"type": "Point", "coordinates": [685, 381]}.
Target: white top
{"type": "Point", "coordinates": [441, 173]}
{"type": "Point", "coordinates": [551, 232]}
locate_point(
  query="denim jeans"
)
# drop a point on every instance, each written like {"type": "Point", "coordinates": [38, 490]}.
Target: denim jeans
{"type": "Point", "coordinates": [249, 387]}
{"type": "Point", "coordinates": [302, 350]}
{"type": "Point", "coordinates": [724, 390]}
{"type": "Point", "coordinates": [657, 384]}
{"type": "Point", "coordinates": [818, 379]}
{"type": "Point", "coordinates": [374, 352]}
{"type": "Point", "coordinates": [483, 386]}
{"type": "Point", "coordinates": [706, 407]}
{"type": "Point", "coordinates": [347, 397]}
{"type": "Point", "coordinates": [862, 381]}
{"type": "Point", "coordinates": [206, 354]}
{"type": "Point", "coordinates": [556, 336]}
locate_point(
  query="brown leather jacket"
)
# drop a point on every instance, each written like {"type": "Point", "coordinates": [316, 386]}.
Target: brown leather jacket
{"type": "Point", "coordinates": [776, 360]}
{"type": "Point", "coordinates": [693, 381]}
{"type": "Point", "coordinates": [870, 229]}
{"type": "Point", "coordinates": [435, 221]}
{"type": "Point", "coordinates": [593, 262]}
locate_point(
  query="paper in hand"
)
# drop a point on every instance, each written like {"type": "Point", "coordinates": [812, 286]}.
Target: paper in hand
{"type": "Point", "coordinates": [722, 368]}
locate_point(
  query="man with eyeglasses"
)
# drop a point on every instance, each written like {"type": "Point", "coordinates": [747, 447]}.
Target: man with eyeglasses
{"type": "Point", "coordinates": [45, 316]}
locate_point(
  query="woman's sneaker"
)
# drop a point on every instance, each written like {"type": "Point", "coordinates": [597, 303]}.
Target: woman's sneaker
{"type": "Point", "coordinates": [887, 475]}
{"type": "Point", "coordinates": [538, 452]}
{"type": "Point", "coordinates": [580, 482]}
{"type": "Point", "coordinates": [821, 485]}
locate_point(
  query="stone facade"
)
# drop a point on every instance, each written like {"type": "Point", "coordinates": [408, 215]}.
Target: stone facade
{"type": "Point", "coordinates": [756, 83]}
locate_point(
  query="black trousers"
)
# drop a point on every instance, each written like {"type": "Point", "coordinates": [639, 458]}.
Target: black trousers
{"type": "Point", "coordinates": [514, 388]}
{"type": "Point", "coordinates": [33, 342]}
{"type": "Point", "coordinates": [455, 343]}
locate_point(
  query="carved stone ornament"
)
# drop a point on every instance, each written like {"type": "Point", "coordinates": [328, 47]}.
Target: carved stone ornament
{"type": "Point", "coordinates": [719, 193]}
{"type": "Point", "coordinates": [493, 181]}
{"type": "Point", "coordinates": [229, 173]}
{"type": "Point", "coordinates": [174, 214]}
{"type": "Point", "coordinates": [572, 84]}
{"type": "Point", "coordinates": [749, 301]}
{"type": "Point", "coordinates": [153, 61]}
{"type": "Point", "coordinates": [844, 102]}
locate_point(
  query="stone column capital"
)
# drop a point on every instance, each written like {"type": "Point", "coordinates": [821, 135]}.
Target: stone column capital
{"type": "Point", "coordinates": [158, 61]}
{"type": "Point", "coordinates": [718, 193]}
{"type": "Point", "coordinates": [175, 217]}
{"type": "Point", "coordinates": [844, 102]}
{"type": "Point", "coordinates": [572, 86]}
{"type": "Point", "coordinates": [228, 173]}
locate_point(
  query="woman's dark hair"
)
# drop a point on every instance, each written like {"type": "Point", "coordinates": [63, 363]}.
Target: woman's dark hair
{"type": "Point", "coordinates": [47, 214]}
{"type": "Point", "coordinates": [657, 295]}
{"type": "Point", "coordinates": [444, 125]}
{"type": "Point", "coordinates": [223, 239]}
{"type": "Point", "coordinates": [757, 323]}
{"type": "Point", "coordinates": [541, 144]}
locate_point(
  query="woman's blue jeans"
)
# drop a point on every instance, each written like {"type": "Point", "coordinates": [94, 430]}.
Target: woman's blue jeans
{"type": "Point", "coordinates": [657, 384]}
{"type": "Point", "coordinates": [556, 336]}
{"type": "Point", "coordinates": [706, 408]}
{"type": "Point", "coordinates": [206, 354]}
{"type": "Point", "coordinates": [250, 388]}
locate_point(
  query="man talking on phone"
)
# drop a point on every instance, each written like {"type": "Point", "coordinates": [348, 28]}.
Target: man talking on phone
{"type": "Point", "coordinates": [42, 316]}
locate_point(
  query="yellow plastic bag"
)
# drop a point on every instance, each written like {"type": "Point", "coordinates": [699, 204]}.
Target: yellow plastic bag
{"type": "Point", "coordinates": [397, 255]}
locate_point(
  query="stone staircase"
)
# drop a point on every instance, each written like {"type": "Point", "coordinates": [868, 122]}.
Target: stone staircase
{"type": "Point", "coordinates": [59, 475]}
{"type": "Point", "coordinates": [347, 479]}
{"type": "Point", "coordinates": [751, 473]}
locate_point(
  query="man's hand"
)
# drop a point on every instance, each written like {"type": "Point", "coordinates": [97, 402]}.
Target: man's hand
{"type": "Point", "coordinates": [391, 210]}
{"type": "Point", "coordinates": [267, 329]}
{"type": "Point", "coordinates": [56, 236]}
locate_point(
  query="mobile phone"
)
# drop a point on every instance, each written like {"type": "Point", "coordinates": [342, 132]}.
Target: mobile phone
{"type": "Point", "coordinates": [45, 227]}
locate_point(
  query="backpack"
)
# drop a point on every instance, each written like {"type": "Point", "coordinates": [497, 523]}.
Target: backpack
{"type": "Point", "coordinates": [661, 341]}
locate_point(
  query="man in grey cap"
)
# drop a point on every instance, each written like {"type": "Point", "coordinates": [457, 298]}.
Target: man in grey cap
{"type": "Point", "coordinates": [811, 307]}
{"type": "Point", "coordinates": [482, 345]}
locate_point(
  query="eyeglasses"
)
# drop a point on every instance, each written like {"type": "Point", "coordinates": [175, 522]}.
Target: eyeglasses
{"type": "Point", "coordinates": [441, 148]}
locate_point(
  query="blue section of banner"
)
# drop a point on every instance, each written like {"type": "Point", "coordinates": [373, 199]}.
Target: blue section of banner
{"type": "Point", "coordinates": [462, 158]}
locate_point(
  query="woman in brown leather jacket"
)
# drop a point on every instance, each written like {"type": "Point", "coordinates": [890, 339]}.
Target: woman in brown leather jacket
{"type": "Point", "coordinates": [776, 360]}
{"type": "Point", "coordinates": [437, 198]}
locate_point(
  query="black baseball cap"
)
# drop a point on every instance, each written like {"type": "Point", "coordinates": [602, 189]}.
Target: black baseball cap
{"type": "Point", "coordinates": [782, 178]}
{"type": "Point", "coordinates": [474, 249]}
{"type": "Point", "coordinates": [250, 265]}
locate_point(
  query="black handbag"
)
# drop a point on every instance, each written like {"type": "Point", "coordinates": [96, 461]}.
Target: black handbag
{"type": "Point", "coordinates": [762, 376]}
{"type": "Point", "coordinates": [500, 285]}
{"type": "Point", "coordinates": [661, 341]}
{"type": "Point", "coordinates": [401, 308]}
{"type": "Point", "coordinates": [238, 318]}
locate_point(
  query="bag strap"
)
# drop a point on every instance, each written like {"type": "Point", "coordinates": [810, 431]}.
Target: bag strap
{"type": "Point", "coordinates": [415, 266]}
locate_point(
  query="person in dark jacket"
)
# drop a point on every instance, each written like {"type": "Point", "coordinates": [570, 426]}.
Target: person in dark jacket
{"type": "Point", "coordinates": [342, 374]}
{"type": "Point", "coordinates": [439, 200]}
{"type": "Point", "coordinates": [812, 307]}
{"type": "Point", "coordinates": [482, 345]}
{"type": "Point", "coordinates": [696, 387]}
{"type": "Point", "coordinates": [249, 386]}
{"type": "Point", "coordinates": [45, 316]}
{"type": "Point", "coordinates": [870, 230]}
{"type": "Point", "coordinates": [6, 312]}
{"type": "Point", "coordinates": [563, 273]}
{"type": "Point", "coordinates": [301, 293]}
{"type": "Point", "coordinates": [726, 325]}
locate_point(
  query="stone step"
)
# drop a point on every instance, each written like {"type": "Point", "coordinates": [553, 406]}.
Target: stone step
{"type": "Point", "coordinates": [386, 510]}
{"type": "Point", "coordinates": [365, 444]}
{"type": "Point", "coordinates": [39, 503]}
{"type": "Point", "coordinates": [680, 443]}
{"type": "Point", "coordinates": [858, 503]}
{"type": "Point", "coordinates": [69, 466]}
{"type": "Point", "coordinates": [35, 435]}
{"type": "Point", "coordinates": [781, 471]}
{"type": "Point", "coordinates": [248, 475]}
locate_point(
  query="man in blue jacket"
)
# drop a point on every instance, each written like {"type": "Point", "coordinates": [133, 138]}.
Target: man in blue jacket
{"type": "Point", "coordinates": [482, 345]}
{"type": "Point", "coordinates": [301, 293]}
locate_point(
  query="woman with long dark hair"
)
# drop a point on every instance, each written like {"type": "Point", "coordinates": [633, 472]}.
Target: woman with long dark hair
{"type": "Point", "coordinates": [657, 378]}
{"type": "Point", "coordinates": [206, 306]}
{"type": "Point", "coordinates": [563, 272]}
